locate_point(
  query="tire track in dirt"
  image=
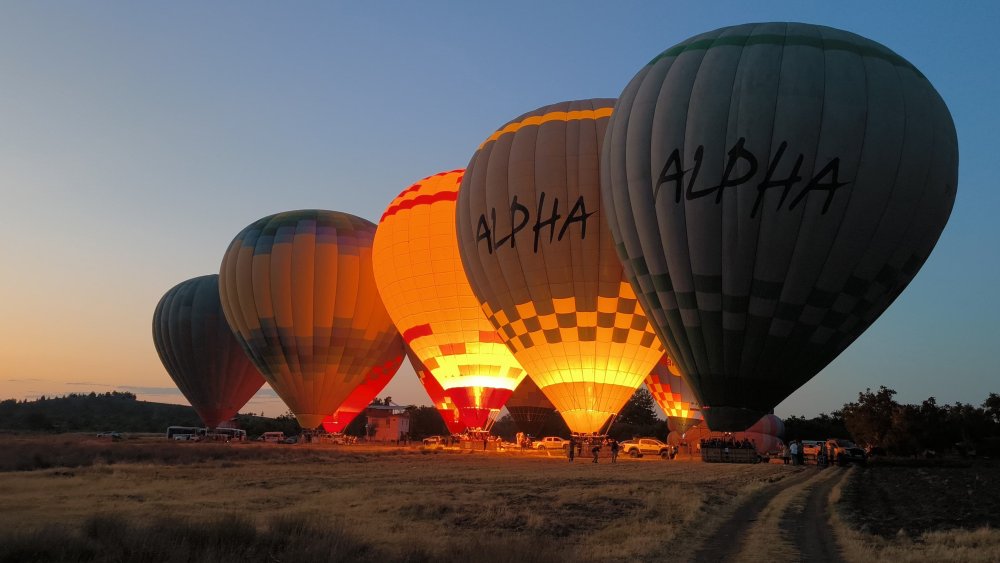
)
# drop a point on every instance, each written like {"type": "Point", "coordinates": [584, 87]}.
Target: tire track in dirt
{"type": "Point", "coordinates": [808, 524]}
{"type": "Point", "coordinates": [727, 541]}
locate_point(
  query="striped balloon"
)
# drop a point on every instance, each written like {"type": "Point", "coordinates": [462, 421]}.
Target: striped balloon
{"type": "Point", "coordinates": [772, 188]}
{"type": "Point", "coordinates": [297, 288]}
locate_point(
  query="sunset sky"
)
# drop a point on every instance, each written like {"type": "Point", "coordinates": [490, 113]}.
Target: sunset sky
{"type": "Point", "coordinates": [136, 139]}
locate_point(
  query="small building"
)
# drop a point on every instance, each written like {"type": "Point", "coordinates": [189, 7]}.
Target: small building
{"type": "Point", "coordinates": [387, 423]}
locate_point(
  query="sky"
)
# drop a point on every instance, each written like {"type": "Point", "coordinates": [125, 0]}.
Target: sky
{"type": "Point", "coordinates": [137, 139]}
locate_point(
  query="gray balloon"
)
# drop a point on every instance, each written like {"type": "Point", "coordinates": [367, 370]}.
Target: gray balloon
{"type": "Point", "coordinates": [771, 189]}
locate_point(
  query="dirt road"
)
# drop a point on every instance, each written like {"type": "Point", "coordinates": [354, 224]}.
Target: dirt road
{"type": "Point", "coordinates": [788, 520]}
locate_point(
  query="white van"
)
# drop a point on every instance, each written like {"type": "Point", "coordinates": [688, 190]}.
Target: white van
{"type": "Point", "coordinates": [272, 436]}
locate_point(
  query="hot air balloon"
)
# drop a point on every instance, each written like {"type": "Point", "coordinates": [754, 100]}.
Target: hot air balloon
{"type": "Point", "coordinates": [362, 396]}
{"type": "Point", "coordinates": [200, 353]}
{"type": "Point", "coordinates": [542, 263]}
{"type": "Point", "coordinates": [298, 291]}
{"type": "Point", "coordinates": [673, 395]}
{"type": "Point", "coordinates": [772, 188]}
{"type": "Point", "coordinates": [444, 405]}
{"type": "Point", "coordinates": [420, 277]}
{"type": "Point", "coordinates": [529, 408]}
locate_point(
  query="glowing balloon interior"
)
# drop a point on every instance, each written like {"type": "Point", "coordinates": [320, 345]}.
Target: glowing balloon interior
{"type": "Point", "coordinates": [445, 406]}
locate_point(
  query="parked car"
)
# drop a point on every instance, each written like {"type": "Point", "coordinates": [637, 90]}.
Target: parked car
{"type": "Point", "coordinates": [843, 452]}
{"type": "Point", "coordinates": [184, 437]}
{"type": "Point", "coordinates": [434, 440]}
{"type": "Point", "coordinates": [643, 446]}
{"type": "Point", "coordinates": [550, 443]}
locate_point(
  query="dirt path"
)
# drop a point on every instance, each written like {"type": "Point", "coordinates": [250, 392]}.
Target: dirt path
{"type": "Point", "coordinates": [810, 527]}
{"type": "Point", "coordinates": [788, 520]}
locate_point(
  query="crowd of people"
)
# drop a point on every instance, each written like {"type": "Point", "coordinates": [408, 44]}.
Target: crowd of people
{"type": "Point", "coordinates": [728, 442]}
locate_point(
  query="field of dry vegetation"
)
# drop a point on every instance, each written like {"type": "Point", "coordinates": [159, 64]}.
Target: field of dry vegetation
{"type": "Point", "coordinates": [77, 498]}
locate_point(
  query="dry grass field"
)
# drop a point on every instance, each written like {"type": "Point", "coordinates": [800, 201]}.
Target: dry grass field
{"type": "Point", "coordinates": [76, 498]}
{"type": "Point", "coordinates": [384, 503]}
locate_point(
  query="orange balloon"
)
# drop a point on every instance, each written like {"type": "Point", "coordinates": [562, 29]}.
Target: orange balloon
{"type": "Point", "coordinates": [419, 274]}
{"type": "Point", "coordinates": [673, 395]}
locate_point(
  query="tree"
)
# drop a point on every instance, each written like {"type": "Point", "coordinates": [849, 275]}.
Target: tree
{"type": "Point", "coordinates": [638, 418]}
{"type": "Point", "coordinates": [639, 410]}
{"type": "Point", "coordinates": [818, 428]}
{"type": "Point", "coordinates": [870, 419]}
{"type": "Point", "coordinates": [992, 407]}
{"type": "Point", "coordinates": [425, 421]}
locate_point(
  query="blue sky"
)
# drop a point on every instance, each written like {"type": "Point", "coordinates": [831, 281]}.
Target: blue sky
{"type": "Point", "coordinates": [137, 139]}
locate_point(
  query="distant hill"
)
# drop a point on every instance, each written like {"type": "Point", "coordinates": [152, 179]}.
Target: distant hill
{"type": "Point", "coordinates": [118, 411]}
{"type": "Point", "coordinates": [94, 412]}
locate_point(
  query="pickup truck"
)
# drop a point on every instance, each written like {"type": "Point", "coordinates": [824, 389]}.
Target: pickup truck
{"type": "Point", "coordinates": [643, 446]}
{"type": "Point", "coordinates": [550, 443]}
{"type": "Point", "coordinates": [843, 452]}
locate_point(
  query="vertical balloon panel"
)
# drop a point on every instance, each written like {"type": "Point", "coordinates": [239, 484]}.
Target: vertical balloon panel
{"type": "Point", "coordinates": [772, 188]}
{"type": "Point", "coordinates": [359, 399]}
{"type": "Point", "coordinates": [419, 274]}
{"type": "Point", "coordinates": [297, 288]}
{"type": "Point", "coordinates": [200, 353]}
{"type": "Point", "coordinates": [543, 265]}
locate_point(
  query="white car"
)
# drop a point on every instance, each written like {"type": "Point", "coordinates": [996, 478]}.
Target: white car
{"type": "Point", "coordinates": [550, 443]}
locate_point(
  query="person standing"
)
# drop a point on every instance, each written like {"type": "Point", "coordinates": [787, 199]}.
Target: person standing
{"type": "Point", "coordinates": [613, 445]}
{"type": "Point", "coordinates": [794, 452]}
{"type": "Point", "coordinates": [596, 450]}
{"type": "Point", "coordinates": [571, 449]}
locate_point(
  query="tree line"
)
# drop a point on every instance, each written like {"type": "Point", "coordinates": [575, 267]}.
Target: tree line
{"type": "Point", "coordinates": [877, 421]}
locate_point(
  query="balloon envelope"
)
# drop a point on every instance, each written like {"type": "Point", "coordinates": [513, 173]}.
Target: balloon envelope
{"type": "Point", "coordinates": [444, 405]}
{"type": "Point", "coordinates": [772, 188]}
{"type": "Point", "coordinates": [673, 395]}
{"type": "Point", "coordinates": [200, 353]}
{"type": "Point", "coordinates": [297, 288]}
{"type": "Point", "coordinates": [420, 277]}
{"type": "Point", "coordinates": [529, 407]}
{"type": "Point", "coordinates": [542, 263]}
{"type": "Point", "coordinates": [363, 394]}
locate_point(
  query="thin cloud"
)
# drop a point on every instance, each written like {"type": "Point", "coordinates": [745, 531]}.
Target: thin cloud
{"type": "Point", "coordinates": [150, 390]}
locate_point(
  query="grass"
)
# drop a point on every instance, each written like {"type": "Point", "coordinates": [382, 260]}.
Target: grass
{"type": "Point", "coordinates": [386, 504]}
{"type": "Point", "coordinates": [77, 498]}
{"type": "Point", "coordinates": [980, 545]}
